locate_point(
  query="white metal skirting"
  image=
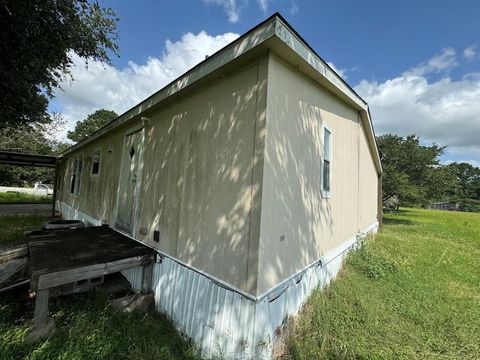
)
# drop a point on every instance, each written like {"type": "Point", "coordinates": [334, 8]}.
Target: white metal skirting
{"type": "Point", "coordinates": [219, 318]}
{"type": "Point", "coordinates": [70, 213]}
{"type": "Point", "coordinates": [134, 276]}
{"type": "Point", "coordinates": [222, 321]}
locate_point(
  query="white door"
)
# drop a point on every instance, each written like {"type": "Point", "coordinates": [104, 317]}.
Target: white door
{"type": "Point", "coordinates": [129, 176]}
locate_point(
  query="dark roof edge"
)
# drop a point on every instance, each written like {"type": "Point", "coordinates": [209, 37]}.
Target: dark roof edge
{"type": "Point", "coordinates": [191, 70]}
{"type": "Point", "coordinates": [295, 32]}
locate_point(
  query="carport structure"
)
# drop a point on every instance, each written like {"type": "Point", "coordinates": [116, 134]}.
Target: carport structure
{"type": "Point", "coordinates": [24, 159]}
{"type": "Point", "coordinates": [32, 160]}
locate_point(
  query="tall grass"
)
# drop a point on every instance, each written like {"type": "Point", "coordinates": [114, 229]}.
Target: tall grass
{"type": "Point", "coordinates": [87, 327]}
{"type": "Point", "coordinates": [413, 292]}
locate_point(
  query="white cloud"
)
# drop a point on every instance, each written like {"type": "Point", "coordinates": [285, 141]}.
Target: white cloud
{"type": "Point", "coordinates": [293, 7]}
{"type": "Point", "coordinates": [263, 5]}
{"type": "Point", "coordinates": [105, 86]}
{"type": "Point", "coordinates": [438, 63]}
{"type": "Point", "coordinates": [341, 72]}
{"type": "Point", "coordinates": [444, 111]}
{"type": "Point", "coordinates": [470, 53]}
{"type": "Point", "coordinates": [231, 7]}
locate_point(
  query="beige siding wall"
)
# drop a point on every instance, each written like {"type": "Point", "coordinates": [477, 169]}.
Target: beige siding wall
{"type": "Point", "coordinates": [98, 194]}
{"type": "Point", "coordinates": [205, 171]}
{"type": "Point", "coordinates": [297, 224]}
{"type": "Point", "coordinates": [368, 178]}
{"type": "Point", "coordinates": [198, 183]}
{"type": "Point", "coordinates": [197, 180]}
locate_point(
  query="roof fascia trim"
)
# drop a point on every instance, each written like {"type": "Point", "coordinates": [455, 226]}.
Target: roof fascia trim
{"type": "Point", "coordinates": [290, 37]}
{"type": "Point", "coordinates": [243, 44]}
{"type": "Point", "coordinates": [286, 33]}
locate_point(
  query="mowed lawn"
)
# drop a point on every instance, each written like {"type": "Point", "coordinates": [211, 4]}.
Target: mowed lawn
{"type": "Point", "coordinates": [21, 198]}
{"type": "Point", "coordinates": [413, 292]}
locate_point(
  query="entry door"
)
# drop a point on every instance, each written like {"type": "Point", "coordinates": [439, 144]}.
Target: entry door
{"type": "Point", "coordinates": [128, 191]}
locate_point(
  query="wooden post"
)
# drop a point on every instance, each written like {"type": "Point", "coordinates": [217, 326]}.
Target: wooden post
{"type": "Point", "coordinates": [40, 314]}
{"type": "Point", "coordinates": [55, 185]}
{"type": "Point", "coordinates": [147, 278]}
{"type": "Point", "coordinates": [42, 324]}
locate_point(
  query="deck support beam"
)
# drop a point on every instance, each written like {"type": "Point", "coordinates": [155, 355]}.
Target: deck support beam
{"type": "Point", "coordinates": [147, 275]}
{"type": "Point", "coordinates": [42, 324]}
{"type": "Point", "coordinates": [40, 314]}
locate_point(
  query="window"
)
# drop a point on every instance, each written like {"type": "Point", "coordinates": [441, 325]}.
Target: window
{"type": "Point", "coordinates": [96, 157]}
{"type": "Point", "coordinates": [326, 165]}
{"type": "Point", "coordinates": [76, 176]}
{"type": "Point", "coordinates": [59, 182]}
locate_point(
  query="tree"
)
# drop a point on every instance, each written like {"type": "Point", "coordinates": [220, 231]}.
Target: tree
{"type": "Point", "coordinates": [37, 41]}
{"type": "Point", "coordinates": [411, 172]}
{"type": "Point", "coordinates": [92, 123]}
{"type": "Point", "coordinates": [468, 177]}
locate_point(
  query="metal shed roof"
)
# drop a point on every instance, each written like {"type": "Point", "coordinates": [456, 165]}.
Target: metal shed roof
{"type": "Point", "coordinates": [24, 159]}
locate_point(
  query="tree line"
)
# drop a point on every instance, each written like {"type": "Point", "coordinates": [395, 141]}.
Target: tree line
{"type": "Point", "coordinates": [413, 175]}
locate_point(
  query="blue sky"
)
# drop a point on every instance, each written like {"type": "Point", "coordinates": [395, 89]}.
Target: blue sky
{"type": "Point", "coordinates": [417, 63]}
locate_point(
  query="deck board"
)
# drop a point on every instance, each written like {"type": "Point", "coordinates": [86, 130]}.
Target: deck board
{"type": "Point", "coordinates": [52, 252]}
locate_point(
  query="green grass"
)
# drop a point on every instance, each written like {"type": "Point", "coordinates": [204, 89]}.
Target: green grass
{"type": "Point", "coordinates": [412, 292]}
{"type": "Point", "coordinates": [87, 327]}
{"type": "Point", "coordinates": [12, 227]}
{"type": "Point", "coordinates": [20, 198]}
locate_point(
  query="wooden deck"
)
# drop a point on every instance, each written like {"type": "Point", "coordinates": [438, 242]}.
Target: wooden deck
{"type": "Point", "coordinates": [55, 253]}
{"type": "Point", "coordinates": [57, 258]}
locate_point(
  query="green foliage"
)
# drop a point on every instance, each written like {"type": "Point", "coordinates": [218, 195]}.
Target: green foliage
{"type": "Point", "coordinates": [37, 41]}
{"type": "Point", "coordinates": [411, 171]}
{"type": "Point", "coordinates": [467, 189]}
{"type": "Point", "coordinates": [411, 293]}
{"type": "Point", "coordinates": [371, 261]}
{"type": "Point", "coordinates": [470, 205]}
{"type": "Point", "coordinates": [92, 123]}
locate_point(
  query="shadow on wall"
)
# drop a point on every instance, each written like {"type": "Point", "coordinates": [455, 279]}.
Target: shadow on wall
{"type": "Point", "coordinates": [292, 188]}
{"type": "Point", "coordinates": [197, 181]}
{"type": "Point", "coordinates": [298, 224]}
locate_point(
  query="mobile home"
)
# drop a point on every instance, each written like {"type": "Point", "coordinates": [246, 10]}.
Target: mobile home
{"type": "Point", "coordinates": [251, 175]}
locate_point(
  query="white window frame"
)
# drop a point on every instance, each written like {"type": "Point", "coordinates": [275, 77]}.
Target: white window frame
{"type": "Point", "coordinates": [326, 193]}
{"type": "Point", "coordinates": [92, 175]}
{"type": "Point", "coordinates": [76, 191]}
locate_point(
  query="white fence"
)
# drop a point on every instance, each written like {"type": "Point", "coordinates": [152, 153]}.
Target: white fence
{"type": "Point", "coordinates": [38, 190]}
